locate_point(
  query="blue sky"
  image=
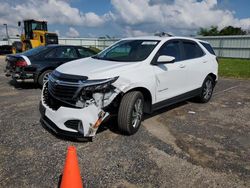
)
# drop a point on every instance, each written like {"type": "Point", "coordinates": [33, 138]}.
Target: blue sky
{"type": "Point", "coordinates": [121, 18]}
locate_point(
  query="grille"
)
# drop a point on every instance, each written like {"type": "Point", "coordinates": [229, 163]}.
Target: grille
{"type": "Point", "coordinates": [62, 92]}
{"type": "Point", "coordinates": [51, 38]}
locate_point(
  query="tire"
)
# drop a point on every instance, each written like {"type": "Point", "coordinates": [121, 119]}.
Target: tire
{"type": "Point", "coordinates": [130, 112]}
{"type": "Point", "coordinates": [43, 77]}
{"type": "Point", "coordinates": [17, 46]}
{"type": "Point", "coordinates": [28, 46]}
{"type": "Point", "coordinates": [207, 90]}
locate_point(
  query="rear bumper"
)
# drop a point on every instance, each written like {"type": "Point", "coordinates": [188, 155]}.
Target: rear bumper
{"type": "Point", "coordinates": [19, 74]}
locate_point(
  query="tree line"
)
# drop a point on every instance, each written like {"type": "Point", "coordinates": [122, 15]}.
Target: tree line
{"type": "Point", "coordinates": [229, 30]}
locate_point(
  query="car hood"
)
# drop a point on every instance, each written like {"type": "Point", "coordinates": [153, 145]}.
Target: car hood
{"type": "Point", "coordinates": [94, 68]}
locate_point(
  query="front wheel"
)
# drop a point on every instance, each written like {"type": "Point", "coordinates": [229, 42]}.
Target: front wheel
{"type": "Point", "coordinates": [130, 112]}
{"type": "Point", "coordinates": [207, 90]}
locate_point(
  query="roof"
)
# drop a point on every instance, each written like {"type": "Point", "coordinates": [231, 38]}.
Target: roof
{"type": "Point", "coordinates": [163, 38]}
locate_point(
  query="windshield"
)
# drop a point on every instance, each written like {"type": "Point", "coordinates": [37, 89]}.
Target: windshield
{"type": "Point", "coordinates": [128, 50]}
{"type": "Point", "coordinates": [34, 51]}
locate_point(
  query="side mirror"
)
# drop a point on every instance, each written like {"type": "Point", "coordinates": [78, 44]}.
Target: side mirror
{"type": "Point", "coordinates": [165, 59]}
{"type": "Point", "coordinates": [19, 24]}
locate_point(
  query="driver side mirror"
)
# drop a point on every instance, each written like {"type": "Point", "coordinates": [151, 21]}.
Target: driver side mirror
{"type": "Point", "coordinates": [165, 59]}
{"type": "Point", "coordinates": [19, 24]}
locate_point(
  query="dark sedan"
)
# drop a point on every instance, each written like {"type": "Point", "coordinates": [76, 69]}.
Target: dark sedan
{"type": "Point", "coordinates": [39, 62]}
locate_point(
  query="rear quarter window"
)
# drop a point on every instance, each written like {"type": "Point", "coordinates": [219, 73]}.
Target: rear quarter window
{"type": "Point", "coordinates": [208, 47]}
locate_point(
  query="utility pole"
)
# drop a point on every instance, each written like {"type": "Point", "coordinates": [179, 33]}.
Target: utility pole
{"type": "Point", "coordinates": [7, 34]}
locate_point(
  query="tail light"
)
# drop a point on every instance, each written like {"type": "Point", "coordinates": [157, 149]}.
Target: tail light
{"type": "Point", "coordinates": [21, 63]}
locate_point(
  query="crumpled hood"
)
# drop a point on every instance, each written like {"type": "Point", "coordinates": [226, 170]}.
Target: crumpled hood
{"type": "Point", "coordinates": [94, 68]}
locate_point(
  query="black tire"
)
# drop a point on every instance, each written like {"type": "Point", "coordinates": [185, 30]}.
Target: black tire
{"type": "Point", "coordinates": [129, 119]}
{"type": "Point", "coordinates": [42, 76]}
{"type": "Point", "coordinates": [207, 90]}
{"type": "Point", "coordinates": [28, 46]}
{"type": "Point", "coordinates": [17, 46]}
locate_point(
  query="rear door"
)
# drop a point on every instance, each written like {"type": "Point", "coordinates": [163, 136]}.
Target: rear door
{"type": "Point", "coordinates": [170, 77]}
{"type": "Point", "coordinates": [196, 64]}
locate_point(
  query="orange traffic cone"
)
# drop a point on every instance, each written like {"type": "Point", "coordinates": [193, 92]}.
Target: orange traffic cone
{"type": "Point", "coordinates": [71, 174]}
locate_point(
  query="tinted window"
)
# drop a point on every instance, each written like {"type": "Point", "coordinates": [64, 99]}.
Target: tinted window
{"type": "Point", "coordinates": [64, 52]}
{"type": "Point", "coordinates": [85, 52]}
{"type": "Point", "coordinates": [171, 49]}
{"type": "Point", "coordinates": [208, 47]}
{"type": "Point", "coordinates": [191, 50]}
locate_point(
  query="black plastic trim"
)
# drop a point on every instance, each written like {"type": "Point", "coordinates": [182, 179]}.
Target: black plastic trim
{"type": "Point", "coordinates": [176, 99]}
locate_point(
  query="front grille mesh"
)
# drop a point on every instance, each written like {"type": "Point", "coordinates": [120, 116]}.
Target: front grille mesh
{"type": "Point", "coordinates": [61, 92]}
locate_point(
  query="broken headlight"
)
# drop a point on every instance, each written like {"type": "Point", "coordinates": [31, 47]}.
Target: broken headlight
{"type": "Point", "coordinates": [96, 86]}
{"type": "Point", "coordinates": [99, 85]}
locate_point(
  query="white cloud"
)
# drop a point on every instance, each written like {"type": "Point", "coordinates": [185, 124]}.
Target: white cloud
{"type": "Point", "coordinates": [181, 16]}
{"type": "Point", "coordinates": [129, 32]}
{"type": "Point", "coordinates": [72, 32]}
{"type": "Point", "coordinates": [54, 11]}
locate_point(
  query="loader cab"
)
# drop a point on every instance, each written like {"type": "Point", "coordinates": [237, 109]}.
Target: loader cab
{"type": "Point", "coordinates": [31, 25]}
{"type": "Point", "coordinates": [34, 34]}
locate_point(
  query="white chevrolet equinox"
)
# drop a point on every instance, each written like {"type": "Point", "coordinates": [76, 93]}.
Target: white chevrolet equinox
{"type": "Point", "coordinates": [132, 77]}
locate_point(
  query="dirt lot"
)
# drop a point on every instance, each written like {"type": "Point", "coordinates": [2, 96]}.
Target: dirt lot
{"type": "Point", "coordinates": [187, 145]}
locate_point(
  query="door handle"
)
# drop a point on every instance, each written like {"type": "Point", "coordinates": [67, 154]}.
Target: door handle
{"type": "Point", "coordinates": [204, 62]}
{"type": "Point", "coordinates": [182, 66]}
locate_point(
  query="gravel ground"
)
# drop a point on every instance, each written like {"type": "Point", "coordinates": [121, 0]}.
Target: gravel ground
{"type": "Point", "coordinates": [186, 145]}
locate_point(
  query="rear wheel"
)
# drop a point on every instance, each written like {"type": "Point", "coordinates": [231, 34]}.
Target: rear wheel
{"type": "Point", "coordinates": [44, 77]}
{"type": "Point", "coordinates": [207, 90]}
{"type": "Point", "coordinates": [130, 112]}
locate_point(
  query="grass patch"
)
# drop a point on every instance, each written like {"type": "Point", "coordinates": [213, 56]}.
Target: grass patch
{"type": "Point", "coordinates": [234, 68]}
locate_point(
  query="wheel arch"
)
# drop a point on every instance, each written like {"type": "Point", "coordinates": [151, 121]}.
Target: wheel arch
{"type": "Point", "coordinates": [213, 76]}
{"type": "Point", "coordinates": [147, 98]}
{"type": "Point", "coordinates": [41, 71]}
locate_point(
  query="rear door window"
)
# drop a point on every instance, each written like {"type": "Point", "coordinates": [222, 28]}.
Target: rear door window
{"type": "Point", "coordinates": [63, 53]}
{"type": "Point", "coordinates": [191, 50]}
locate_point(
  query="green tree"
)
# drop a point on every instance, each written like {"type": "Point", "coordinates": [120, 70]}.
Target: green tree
{"type": "Point", "coordinates": [230, 30]}
{"type": "Point", "coordinates": [213, 31]}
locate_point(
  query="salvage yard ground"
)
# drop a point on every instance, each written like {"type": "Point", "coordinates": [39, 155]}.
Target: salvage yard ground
{"type": "Point", "coordinates": [186, 145]}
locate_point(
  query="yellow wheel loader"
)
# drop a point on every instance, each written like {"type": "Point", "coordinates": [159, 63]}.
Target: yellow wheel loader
{"type": "Point", "coordinates": [34, 33]}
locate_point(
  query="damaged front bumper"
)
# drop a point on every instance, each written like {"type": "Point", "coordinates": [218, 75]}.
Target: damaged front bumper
{"type": "Point", "coordinates": [77, 122]}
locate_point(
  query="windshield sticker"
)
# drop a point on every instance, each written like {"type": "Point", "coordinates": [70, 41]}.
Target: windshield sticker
{"type": "Point", "coordinates": [149, 43]}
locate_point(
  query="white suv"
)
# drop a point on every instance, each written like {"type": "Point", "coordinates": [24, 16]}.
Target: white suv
{"type": "Point", "coordinates": [131, 77]}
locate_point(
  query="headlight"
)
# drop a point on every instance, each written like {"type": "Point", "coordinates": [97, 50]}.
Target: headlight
{"type": "Point", "coordinates": [98, 85]}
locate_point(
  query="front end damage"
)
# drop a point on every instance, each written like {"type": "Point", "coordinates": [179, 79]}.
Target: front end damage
{"type": "Point", "coordinates": [75, 106]}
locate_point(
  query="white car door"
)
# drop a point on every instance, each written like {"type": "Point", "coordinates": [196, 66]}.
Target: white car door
{"type": "Point", "coordinates": [170, 77]}
{"type": "Point", "coordinates": [196, 64]}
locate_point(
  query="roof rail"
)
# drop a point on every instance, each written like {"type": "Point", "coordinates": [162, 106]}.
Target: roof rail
{"type": "Point", "coordinates": [163, 34]}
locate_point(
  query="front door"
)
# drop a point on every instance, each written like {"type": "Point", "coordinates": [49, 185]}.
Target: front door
{"type": "Point", "coordinates": [171, 77]}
